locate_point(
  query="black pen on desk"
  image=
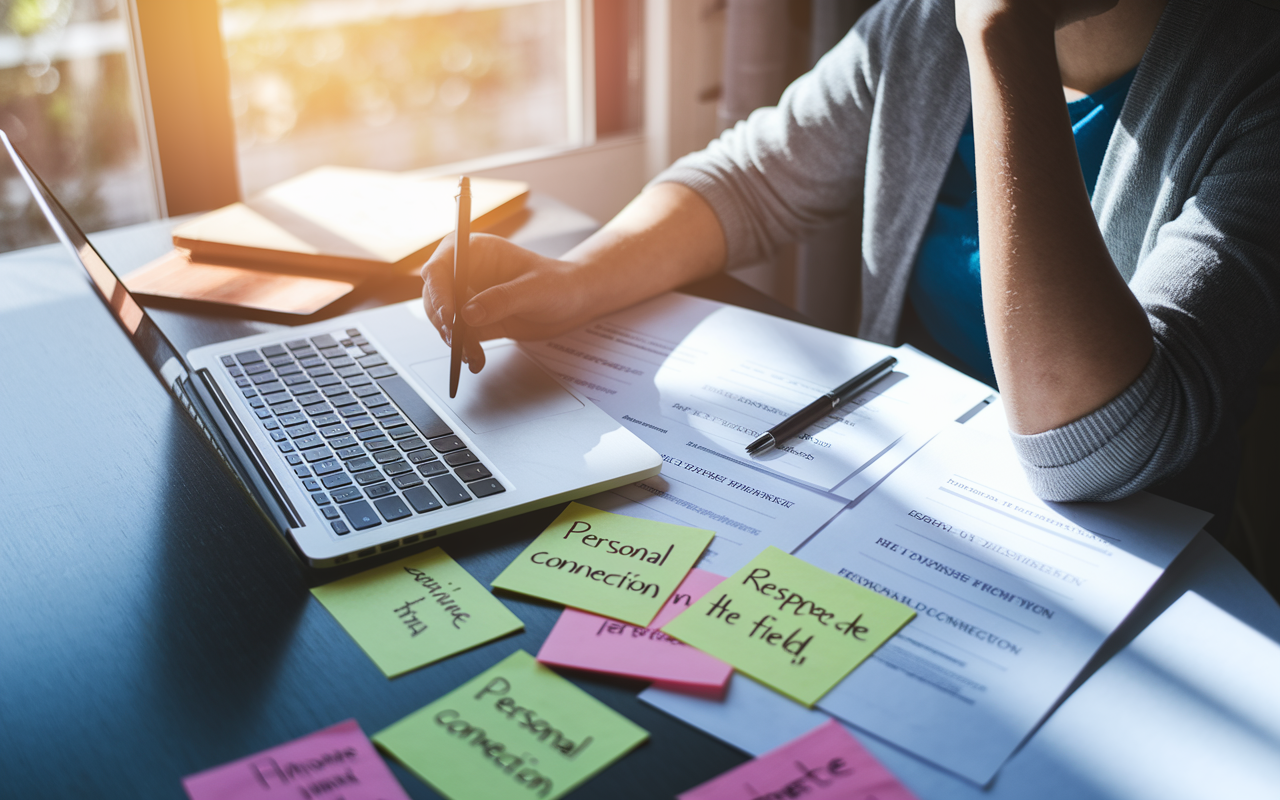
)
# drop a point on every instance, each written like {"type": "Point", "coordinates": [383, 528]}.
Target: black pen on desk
{"type": "Point", "coordinates": [461, 240]}
{"type": "Point", "coordinates": [819, 408]}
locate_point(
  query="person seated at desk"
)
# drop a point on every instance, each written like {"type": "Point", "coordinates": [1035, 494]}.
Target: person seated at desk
{"type": "Point", "coordinates": [1121, 160]}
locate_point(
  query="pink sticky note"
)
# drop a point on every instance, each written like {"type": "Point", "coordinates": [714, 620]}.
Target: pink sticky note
{"type": "Point", "coordinates": [587, 641]}
{"type": "Point", "coordinates": [824, 764]}
{"type": "Point", "coordinates": [338, 761]}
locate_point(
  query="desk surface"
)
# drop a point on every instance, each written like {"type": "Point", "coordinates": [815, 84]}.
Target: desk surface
{"type": "Point", "coordinates": [153, 626]}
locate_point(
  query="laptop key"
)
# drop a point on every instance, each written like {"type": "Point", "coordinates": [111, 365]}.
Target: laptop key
{"type": "Point", "coordinates": [307, 442]}
{"type": "Point", "coordinates": [248, 357]}
{"type": "Point", "coordinates": [315, 366]}
{"type": "Point", "coordinates": [342, 363]}
{"type": "Point", "coordinates": [386, 456]}
{"type": "Point", "coordinates": [311, 484]}
{"type": "Point", "coordinates": [228, 361]}
{"type": "Point", "coordinates": [334, 391]}
{"type": "Point", "coordinates": [278, 436]}
{"type": "Point", "coordinates": [365, 434]}
{"type": "Point", "coordinates": [296, 344]}
{"type": "Point", "coordinates": [351, 410]}
{"type": "Point", "coordinates": [369, 361]}
{"type": "Point", "coordinates": [286, 447]}
{"type": "Point", "coordinates": [360, 514]}
{"type": "Point", "coordinates": [422, 500]}
{"type": "Point", "coordinates": [297, 378]}
{"type": "Point", "coordinates": [402, 432]}
{"type": "Point", "coordinates": [376, 400]}
{"type": "Point", "coordinates": [288, 370]}
{"type": "Point", "coordinates": [418, 456]}
{"type": "Point", "coordinates": [397, 468]}
{"type": "Point", "coordinates": [263, 413]}
{"type": "Point", "coordinates": [339, 527]}
{"type": "Point", "coordinates": [431, 468]}
{"type": "Point", "coordinates": [260, 368]}
{"type": "Point", "coordinates": [379, 490]}
{"type": "Point", "coordinates": [294, 459]}
{"type": "Point", "coordinates": [273, 350]}
{"type": "Point", "coordinates": [314, 454]}
{"type": "Point", "coordinates": [327, 380]}
{"type": "Point", "coordinates": [297, 431]}
{"type": "Point", "coordinates": [289, 420]}
{"type": "Point", "coordinates": [377, 444]}
{"type": "Point", "coordinates": [359, 422]}
{"type": "Point", "coordinates": [447, 444]}
{"type": "Point", "coordinates": [392, 508]}
{"type": "Point", "coordinates": [405, 481]}
{"type": "Point", "coordinates": [330, 431]}
{"type": "Point", "coordinates": [243, 383]}
{"type": "Point", "coordinates": [341, 401]}
{"type": "Point", "coordinates": [345, 494]}
{"type": "Point", "coordinates": [302, 471]}
{"type": "Point", "coordinates": [460, 457]}
{"type": "Point", "coordinates": [300, 389]}
{"type": "Point", "coordinates": [320, 498]}
{"type": "Point", "coordinates": [336, 480]}
{"type": "Point", "coordinates": [349, 372]}
{"type": "Point", "coordinates": [378, 373]}
{"type": "Point", "coordinates": [412, 443]}
{"type": "Point", "coordinates": [329, 512]}
{"type": "Point", "coordinates": [287, 408]}
{"type": "Point", "coordinates": [350, 452]}
{"type": "Point", "coordinates": [329, 465]}
{"type": "Point", "coordinates": [360, 464]}
{"type": "Point", "coordinates": [366, 391]}
{"type": "Point", "coordinates": [325, 420]}
{"type": "Point", "coordinates": [260, 378]}
{"type": "Point", "coordinates": [276, 398]}
{"type": "Point", "coordinates": [359, 380]}
{"type": "Point", "coordinates": [393, 421]}
{"type": "Point", "coordinates": [309, 399]}
{"type": "Point", "coordinates": [473, 472]}
{"type": "Point", "coordinates": [280, 361]}
{"type": "Point", "coordinates": [449, 490]}
{"type": "Point", "coordinates": [332, 352]}
{"type": "Point", "coordinates": [343, 441]}
{"type": "Point", "coordinates": [368, 476]}
{"type": "Point", "coordinates": [271, 425]}
{"type": "Point", "coordinates": [487, 488]}
{"type": "Point", "coordinates": [382, 412]}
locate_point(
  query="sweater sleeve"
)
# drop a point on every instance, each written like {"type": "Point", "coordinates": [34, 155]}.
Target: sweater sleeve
{"type": "Point", "coordinates": [788, 169]}
{"type": "Point", "coordinates": [1211, 289]}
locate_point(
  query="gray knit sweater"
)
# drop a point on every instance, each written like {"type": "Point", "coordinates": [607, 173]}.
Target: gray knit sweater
{"type": "Point", "coordinates": [1188, 203]}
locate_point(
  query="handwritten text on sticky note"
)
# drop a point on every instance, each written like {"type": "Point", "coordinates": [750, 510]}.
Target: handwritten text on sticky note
{"type": "Point", "coordinates": [790, 625]}
{"type": "Point", "coordinates": [824, 764]}
{"type": "Point", "coordinates": [416, 611]}
{"type": "Point", "coordinates": [338, 760]}
{"type": "Point", "coordinates": [605, 563]}
{"type": "Point", "coordinates": [587, 641]}
{"type": "Point", "coordinates": [515, 730]}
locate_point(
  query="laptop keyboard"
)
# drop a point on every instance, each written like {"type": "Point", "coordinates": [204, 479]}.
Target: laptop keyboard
{"type": "Point", "coordinates": [359, 439]}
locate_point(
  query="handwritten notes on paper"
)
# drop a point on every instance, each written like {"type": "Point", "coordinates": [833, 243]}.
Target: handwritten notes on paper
{"type": "Point", "coordinates": [586, 641]}
{"type": "Point", "coordinates": [416, 611]}
{"type": "Point", "coordinates": [515, 730]}
{"type": "Point", "coordinates": [336, 761]}
{"type": "Point", "coordinates": [824, 764]}
{"type": "Point", "coordinates": [606, 563]}
{"type": "Point", "coordinates": [790, 624]}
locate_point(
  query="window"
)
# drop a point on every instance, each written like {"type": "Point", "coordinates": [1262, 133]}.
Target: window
{"type": "Point", "coordinates": [70, 101]}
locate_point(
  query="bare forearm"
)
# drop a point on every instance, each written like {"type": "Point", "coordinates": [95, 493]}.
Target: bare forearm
{"type": "Point", "coordinates": [666, 237]}
{"type": "Point", "coordinates": [1066, 334]}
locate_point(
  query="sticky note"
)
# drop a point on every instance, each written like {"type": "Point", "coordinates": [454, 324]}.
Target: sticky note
{"type": "Point", "coordinates": [790, 625]}
{"type": "Point", "coordinates": [515, 730]}
{"type": "Point", "coordinates": [621, 567]}
{"type": "Point", "coordinates": [335, 762]}
{"type": "Point", "coordinates": [824, 764]}
{"type": "Point", "coordinates": [587, 641]}
{"type": "Point", "coordinates": [416, 611]}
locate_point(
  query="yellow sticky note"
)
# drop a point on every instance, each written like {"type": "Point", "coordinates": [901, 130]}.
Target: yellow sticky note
{"type": "Point", "coordinates": [515, 730]}
{"type": "Point", "coordinates": [607, 564]}
{"type": "Point", "coordinates": [790, 625]}
{"type": "Point", "coordinates": [416, 611]}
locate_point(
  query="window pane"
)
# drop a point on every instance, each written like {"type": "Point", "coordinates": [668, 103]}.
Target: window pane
{"type": "Point", "coordinates": [391, 84]}
{"type": "Point", "coordinates": [69, 100]}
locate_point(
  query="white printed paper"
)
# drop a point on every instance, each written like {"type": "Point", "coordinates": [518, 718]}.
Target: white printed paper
{"type": "Point", "coordinates": [1013, 596]}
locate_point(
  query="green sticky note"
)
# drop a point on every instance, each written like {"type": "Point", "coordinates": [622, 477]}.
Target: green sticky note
{"type": "Point", "coordinates": [607, 564]}
{"type": "Point", "coordinates": [416, 611]}
{"type": "Point", "coordinates": [515, 730]}
{"type": "Point", "coordinates": [790, 625]}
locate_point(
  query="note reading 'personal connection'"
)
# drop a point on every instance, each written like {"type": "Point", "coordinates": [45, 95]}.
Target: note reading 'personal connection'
{"type": "Point", "coordinates": [416, 611]}
{"type": "Point", "coordinates": [605, 563]}
{"type": "Point", "coordinates": [515, 730]}
{"type": "Point", "coordinates": [790, 624]}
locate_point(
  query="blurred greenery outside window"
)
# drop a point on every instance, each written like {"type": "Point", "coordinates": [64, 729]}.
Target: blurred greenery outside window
{"type": "Point", "coordinates": [69, 100]}
{"type": "Point", "coordinates": [391, 84]}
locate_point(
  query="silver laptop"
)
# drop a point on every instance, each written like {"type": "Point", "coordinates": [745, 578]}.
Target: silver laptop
{"type": "Point", "coordinates": [343, 434]}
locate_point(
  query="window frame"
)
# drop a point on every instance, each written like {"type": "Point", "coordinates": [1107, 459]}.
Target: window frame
{"type": "Point", "coordinates": [183, 74]}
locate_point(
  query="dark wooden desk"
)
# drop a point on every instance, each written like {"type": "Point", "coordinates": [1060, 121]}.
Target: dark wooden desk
{"type": "Point", "coordinates": [151, 624]}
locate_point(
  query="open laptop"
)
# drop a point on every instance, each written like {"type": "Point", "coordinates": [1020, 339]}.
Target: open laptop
{"type": "Point", "coordinates": [343, 434]}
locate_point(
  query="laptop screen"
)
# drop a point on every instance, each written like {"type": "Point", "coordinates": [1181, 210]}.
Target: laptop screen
{"type": "Point", "coordinates": [150, 342]}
